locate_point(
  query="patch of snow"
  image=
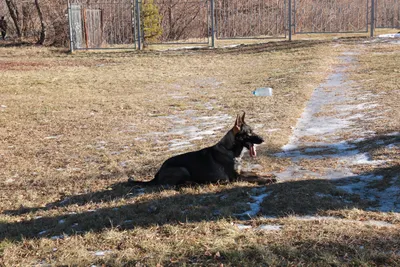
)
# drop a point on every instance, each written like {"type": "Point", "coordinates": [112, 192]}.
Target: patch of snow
{"type": "Point", "coordinates": [202, 127]}
{"type": "Point", "coordinates": [231, 46]}
{"type": "Point", "coordinates": [64, 201]}
{"type": "Point", "coordinates": [56, 237]}
{"type": "Point", "coordinates": [389, 199]}
{"type": "Point", "coordinates": [394, 134]}
{"type": "Point", "coordinates": [316, 218]}
{"type": "Point", "coordinates": [390, 35]}
{"type": "Point", "coordinates": [53, 137]}
{"type": "Point", "coordinates": [325, 130]}
{"type": "Point", "coordinates": [42, 232]}
{"type": "Point", "coordinates": [379, 223]}
{"type": "Point", "coordinates": [249, 167]}
{"type": "Point", "coordinates": [332, 218]}
{"type": "Point", "coordinates": [102, 252]}
{"type": "Point", "coordinates": [9, 180]}
{"type": "Point", "coordinates": [321, 195]}
{"type": "Point", "coordinates": [359, 185]}
{"type": "Point", "coordinates": [364, 159]}
{"type": "Point", "coordinates": [255, 206]}
{"type": "Point", "coordinates": [392, 146]}
{"type": "Point", "coordinates": [266, 227]}
{"type": "Point", "coordinates": [243, 226]}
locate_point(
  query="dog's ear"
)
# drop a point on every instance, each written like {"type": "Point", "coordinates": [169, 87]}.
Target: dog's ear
{"type": "Point", "coordinates": [244, 114]}
{"type": "Point", "coordinates": [238, 124]}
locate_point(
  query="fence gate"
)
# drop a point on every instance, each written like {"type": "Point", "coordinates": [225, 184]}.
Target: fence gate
{"type": "Point", "coordinates": [327, 16]}
{"type": "Point", "coordinates": [86, 27]}
{"type": "Point", "coordinates": [250, 19]}
{"type": "Point", "coordinates": [101, 24]}
{"type": "Point", "coordinates": [93, 25]}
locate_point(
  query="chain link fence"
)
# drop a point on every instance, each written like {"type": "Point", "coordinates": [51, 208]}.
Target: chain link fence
{"type": "Point", "coordinates": [183, 21]}
{"type": "Point", "coordinates": [136, 23]}
{"type": "Point", "coordinates": [387, 13]}
{"type": "Point", "coordinates": [250, 19]}
{"type": "Point", "coordinates": [327, 16]}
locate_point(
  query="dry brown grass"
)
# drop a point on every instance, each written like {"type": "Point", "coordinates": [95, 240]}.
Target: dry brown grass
{"type": "Point", "coordinates": [74, 127]}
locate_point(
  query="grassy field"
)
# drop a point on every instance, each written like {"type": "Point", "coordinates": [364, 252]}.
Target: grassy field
{"type": "Point", "coordinates": [73, 128]}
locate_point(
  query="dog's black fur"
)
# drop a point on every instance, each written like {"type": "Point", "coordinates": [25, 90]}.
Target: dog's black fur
{"type": "Point", "coordinates": [209, 165]}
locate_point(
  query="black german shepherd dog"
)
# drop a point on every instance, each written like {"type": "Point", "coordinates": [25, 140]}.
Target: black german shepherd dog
{"type": "Point", "coordinates": [212, 164]}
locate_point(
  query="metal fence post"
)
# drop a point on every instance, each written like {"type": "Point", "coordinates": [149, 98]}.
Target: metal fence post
{"type": "Point", "coordinates": [139, 30]}
{"type": "Point", "coordinates": [372, 17]}
{"type": "Point", "coordinates": [133, 22]}
{"type": "Point", "coordinates": [212, 23]}
{"type": "Point", "coordinates": [71, 42]}
{"type": "Point", "coordinates": [290, 20]}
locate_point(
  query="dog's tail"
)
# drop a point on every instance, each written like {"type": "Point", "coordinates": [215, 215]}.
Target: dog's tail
{"type": "Point", "coordinates": [132, 182]}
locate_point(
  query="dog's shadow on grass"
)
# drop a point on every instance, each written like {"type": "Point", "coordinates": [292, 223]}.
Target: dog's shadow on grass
{"type": "Point", "coordinates": [117, 191]}
{"type": "Point", "coordinates": [142, 208]}
{"type": "Point", "coordinates": [181, 207]}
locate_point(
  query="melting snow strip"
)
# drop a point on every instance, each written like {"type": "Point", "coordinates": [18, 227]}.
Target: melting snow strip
{"type": "Point", "coordinates": [344, 118]}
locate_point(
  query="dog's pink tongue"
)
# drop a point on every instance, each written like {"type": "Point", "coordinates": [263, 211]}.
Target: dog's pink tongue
{"type": "Point", "coordinates": [253, 152]}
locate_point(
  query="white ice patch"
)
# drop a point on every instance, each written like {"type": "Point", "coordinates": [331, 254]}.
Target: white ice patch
{"type": "Point", "coordinates": [332, 218]}
{"type": "Point", "coordinates": [42, 232]}
{"type": "Point", "coordinates": [365, 159]}
{"type": "Point", "coordinates": [255, 205]}
{"type": "Point", "coordinates": [57, 237]}
{"type": "Point", "coordinates": [263, 227]}
{"type": "Point", "coordinates": [53, 137]}
{"type": "Point", "coordinates": [102, 252]}
{"type": "Point", "coordinates": [190, 128]}
{"type": "Point", "coordinates": [266, 227]}
{"type": "Point", "coordinates": [243, 226]}
{"type": "Point", "coordinates": [390, 35]}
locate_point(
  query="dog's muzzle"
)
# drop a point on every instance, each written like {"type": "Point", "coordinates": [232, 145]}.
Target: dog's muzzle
{"type": "Point", "coordinates": [250, 145]}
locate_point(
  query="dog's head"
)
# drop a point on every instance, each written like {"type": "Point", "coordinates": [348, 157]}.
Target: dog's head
{"type": "Point", "coordinates": [245, 137]}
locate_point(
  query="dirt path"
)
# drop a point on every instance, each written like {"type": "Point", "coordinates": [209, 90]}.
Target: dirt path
{"type": "Point", "coordinates": [332, 140]}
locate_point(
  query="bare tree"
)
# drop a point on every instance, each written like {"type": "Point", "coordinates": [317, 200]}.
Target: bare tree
{"type": "Point", "coordinates": [14, 13]}
{"type": "Point", "coordinates": [42, 37]}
